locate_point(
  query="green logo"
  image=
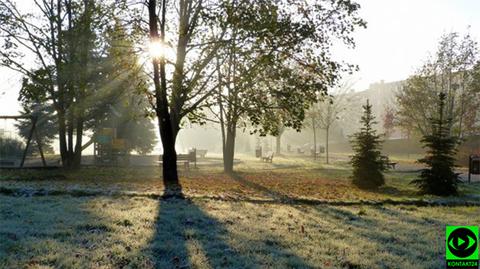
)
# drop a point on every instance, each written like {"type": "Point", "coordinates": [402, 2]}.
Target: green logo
{"type": "Point", "coordinates": [461, 244]}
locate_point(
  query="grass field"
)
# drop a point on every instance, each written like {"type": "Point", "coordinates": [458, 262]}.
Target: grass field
{"type": "Point", "coordinates": [294, 213]}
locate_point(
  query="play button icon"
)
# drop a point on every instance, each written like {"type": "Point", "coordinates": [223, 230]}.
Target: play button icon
{"type": "Point", "coordinates": [462, 242]}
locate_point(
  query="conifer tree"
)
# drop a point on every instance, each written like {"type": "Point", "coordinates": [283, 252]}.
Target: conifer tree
{"type": "Point", "coordinates": [121, 101]}
{"type": "Point", "coordinates": [439, 177]}
{"type": "Point", "coordinates": [368, 162]}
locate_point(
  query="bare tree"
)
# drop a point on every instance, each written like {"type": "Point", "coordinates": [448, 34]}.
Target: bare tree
{"type": "Point", "coordinates": [325, 113]}
{"type": "Point", "coordinates": [388, 121]}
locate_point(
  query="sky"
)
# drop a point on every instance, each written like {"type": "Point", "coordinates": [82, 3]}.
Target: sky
{"type": "Point", "coordinates": [399, 36]}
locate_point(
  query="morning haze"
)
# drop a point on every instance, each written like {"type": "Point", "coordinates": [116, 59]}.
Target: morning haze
{"type": "Point", "coordinates": [239, 134]}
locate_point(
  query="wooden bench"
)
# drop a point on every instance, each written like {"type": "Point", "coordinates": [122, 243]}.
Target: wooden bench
{"type": "Point", "coordinates": [8, 162]}
{"type": "Point", "coordinates": [186, 159]}
{"type": "Point", "coordinates": [391, 165]}
{"type": "Point", "coordinates": [268, 158]}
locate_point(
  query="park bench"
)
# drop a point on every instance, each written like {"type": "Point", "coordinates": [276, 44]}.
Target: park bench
{"type": "Point", "coordinates": [186, 159]}
{"type": "Point", "coordinates": [391, 165]}
{"type": "Point", "coordinates": [201, 153]}
{"type": "Point", "coordinates": [268, 158]}
{"type": "Point", "coordinates": [8, 162]}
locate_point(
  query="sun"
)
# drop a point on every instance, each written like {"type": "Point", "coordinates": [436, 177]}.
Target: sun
{"type": "Point", "coordinates": [157, 49]}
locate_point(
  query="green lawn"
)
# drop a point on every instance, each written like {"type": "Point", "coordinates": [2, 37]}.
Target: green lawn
{"type": "Point", "coordinates": [294, 213]}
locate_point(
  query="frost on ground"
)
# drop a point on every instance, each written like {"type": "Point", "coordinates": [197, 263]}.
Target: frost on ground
{"type": "Point", "coordinates": [106, 232]}
{"type": "Point", "coordinates": [262, 217]}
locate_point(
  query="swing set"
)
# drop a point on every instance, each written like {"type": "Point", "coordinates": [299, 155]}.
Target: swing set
{"type": "Point", "coordinates": [8, 161]}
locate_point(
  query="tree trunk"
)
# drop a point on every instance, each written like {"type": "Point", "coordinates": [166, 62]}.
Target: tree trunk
{"type": "Point", "coordinates": [229, 152]}
{"type": "Point", "coordinates": [77, 155]}
{"type": "Point", "coordinates": [167, 132]}
{"type": "Point", "coordinates": [82, 80]}
{"type": "Point", "coordinates": [224, 142]}
{"type": "Point", "coordinates": [169, 158]}
{"type": "Point", "coordinates": [314, 139]}
{"type": "Point", "coordinates": [326, 143]}
{"type": "Point", "coordinates": [279, 142]}
{"type": "Point", "coordinates": [65, 136]}
{"type": "Point", "coordinates": [70, 138]}
{"type": "Point", "coordinates": [222, 121]}
{"type": "Point", "coordinates": [62, 137]}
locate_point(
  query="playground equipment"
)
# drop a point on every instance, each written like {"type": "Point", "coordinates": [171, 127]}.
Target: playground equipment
{"type": "Point", "coordinates": [473, 166]}
{"type": "Point", "coordinates": [108, 149]}
{"type": "Point", "coordinates": [11, 161]}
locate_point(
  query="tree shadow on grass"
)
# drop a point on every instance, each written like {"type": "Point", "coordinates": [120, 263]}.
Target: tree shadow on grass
{"type": "Point", "coordinates": [187, 237]}
{"type": "Point", "coordinates": [184, 235]}
{"type": "Point", "coordinates": [258, 187]}
{"type": "Point", "coordinates": [56, 232]}
{"type": "Point", "coordinates": [394, 235]}
{"type": "Point", "coordinates": [359, 227]}
{"type": "Point", "coordinates": [285, 166]}
{"type": "Point", "coordinates": [394, 191]}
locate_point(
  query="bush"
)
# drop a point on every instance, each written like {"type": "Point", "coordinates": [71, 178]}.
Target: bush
{"type": "Point", "coordinates": [10, 147]}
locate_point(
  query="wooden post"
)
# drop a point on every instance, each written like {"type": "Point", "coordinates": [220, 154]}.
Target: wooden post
{"type": "Point", "coordinates": [40, 149]}
{"type": "Point", "coordinates": [326, 144]}
{"type": "Point", "coordinates": [194, 152]}
{"type": "Point", "coordinates": [314, 139]}
{"type": "Point", "coordinates": [30, 135]}
{"type": "Point", "coordinates": [34, 122]}
{"type": "Point", "coordinates": [469, 167]}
